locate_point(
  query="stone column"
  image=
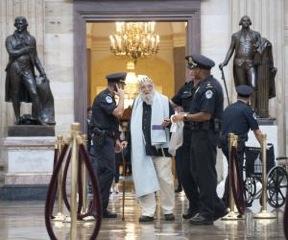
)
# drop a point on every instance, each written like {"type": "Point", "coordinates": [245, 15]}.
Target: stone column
{"type": "Point", "coordinates": [268, 18]}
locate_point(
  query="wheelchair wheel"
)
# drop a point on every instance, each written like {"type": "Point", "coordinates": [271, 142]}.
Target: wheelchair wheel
{"type": "Point", "coordinates": [277, 186]}
{"type": "Point", "coordinates": [249, 190]}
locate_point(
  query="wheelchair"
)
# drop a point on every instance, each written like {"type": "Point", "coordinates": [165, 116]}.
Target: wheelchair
{"type": "Point", "coordinates": [277, 176]}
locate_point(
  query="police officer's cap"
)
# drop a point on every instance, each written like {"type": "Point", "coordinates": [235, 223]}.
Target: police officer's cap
{"type": "Point", "coordinates": [117, 77]}
{"type": "Point", "coordinates": [244, 90]}
{"type": "Point", "coordinates": [200, 61]}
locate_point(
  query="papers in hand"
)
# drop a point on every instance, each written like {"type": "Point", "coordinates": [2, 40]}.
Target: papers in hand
{"type": "Point", "coordinates": [176, 139]}
{"type": "Point", "coordinates": [175, 125]}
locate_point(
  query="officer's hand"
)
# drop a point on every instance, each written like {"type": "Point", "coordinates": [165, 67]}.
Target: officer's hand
{"type": "Point", "coordinates": [118, 146]}
{"type": "Point", "coordinates": [166, 122]}
{"type": "Point", "coordinates": [119, 92]}
{"type": "Point", "coordinates": [124, 144]}
{"type": "Point", "coordinates": [177, 117]}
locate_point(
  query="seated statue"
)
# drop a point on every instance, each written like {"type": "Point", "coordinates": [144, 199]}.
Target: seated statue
{"type": "Point", "coordinates": [22, 84]}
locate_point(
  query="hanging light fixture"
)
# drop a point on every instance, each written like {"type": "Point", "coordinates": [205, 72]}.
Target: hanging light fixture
{"type": "Point", "coordinates": [134, 40]}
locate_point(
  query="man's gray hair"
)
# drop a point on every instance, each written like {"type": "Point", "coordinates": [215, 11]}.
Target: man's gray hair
{"type": "Point", "coordinates": [143, 79]}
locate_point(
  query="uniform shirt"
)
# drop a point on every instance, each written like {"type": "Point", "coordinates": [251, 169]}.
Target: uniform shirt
{"type": "Point", "coordinates": [208, 98]}
{"type": "Point", "coordinates": [102, 109]}
{"type": "Point", "coordinates": [238, 118]}
{"type": "Point", "coordinates": [146, 128]}
{"type": "Point", "coordinates": [183, 97]}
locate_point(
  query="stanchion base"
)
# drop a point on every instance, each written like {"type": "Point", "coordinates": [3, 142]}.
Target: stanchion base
{"type": "Point", "coordinates": [232, 216]}
{"type": "Point", "coordinates": [59, 218]}
{"type": "Point", "coordinates": [264, 215]}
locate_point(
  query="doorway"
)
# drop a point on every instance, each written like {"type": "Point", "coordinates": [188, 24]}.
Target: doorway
{"type": "Point", "coordinates": [111, 11]}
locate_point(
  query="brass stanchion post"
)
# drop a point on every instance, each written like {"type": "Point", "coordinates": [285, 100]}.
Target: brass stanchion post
{"type": "Point", "coordinates": [84, 181]}
{"type": "Point", "coordinates": [75, 129]}
{"type": "Point", "coordinates": [232, 214]}
{"type": "Point", "coordinates": [264, 214]}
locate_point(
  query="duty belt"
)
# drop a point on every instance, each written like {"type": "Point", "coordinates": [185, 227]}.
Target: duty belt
{"type": "Point", "coordinates": [201, 125]}
{"type": "Point", "coordinates": [108, 133]}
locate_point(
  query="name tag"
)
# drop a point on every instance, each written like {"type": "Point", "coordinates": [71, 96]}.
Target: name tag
{"type": "Point", "coordinates": [157, 127]}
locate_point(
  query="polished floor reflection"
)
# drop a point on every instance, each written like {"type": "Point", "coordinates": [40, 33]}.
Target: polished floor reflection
{"type": "Point", "coordinates": [25, 220]}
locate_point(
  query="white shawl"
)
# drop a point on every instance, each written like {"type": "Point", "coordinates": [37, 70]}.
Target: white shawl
{"type": "Point", "coordinates": [143, 170]}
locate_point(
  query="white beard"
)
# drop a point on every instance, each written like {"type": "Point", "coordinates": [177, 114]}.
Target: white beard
{"type": "Point", "coordinates": [147, 98]}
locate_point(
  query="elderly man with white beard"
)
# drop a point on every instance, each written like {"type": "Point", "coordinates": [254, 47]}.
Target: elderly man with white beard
{"type": "Point", "coordinates": [151, 162]}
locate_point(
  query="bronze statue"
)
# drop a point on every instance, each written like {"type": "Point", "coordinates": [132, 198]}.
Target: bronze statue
{"type": "Point", "coordinates": [21, 84]}
{"type": "Point", "coordinates": [248, 63]}
{"type": "Point", "coordinates": [266, 73]}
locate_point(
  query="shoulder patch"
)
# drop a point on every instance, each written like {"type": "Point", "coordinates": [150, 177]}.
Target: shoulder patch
{"type": "Point", "coordinates": [108, 99]}
{"type": "Point", "coordinates": [208, 94]}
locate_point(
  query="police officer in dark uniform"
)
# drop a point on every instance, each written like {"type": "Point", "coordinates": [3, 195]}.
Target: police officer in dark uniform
{"type": "Point", "coordinates": [239, 118]}
{"type": "Point", "coordinates": [105, 115]}
{"type": "Point", "coordinates": [204, 120]}
{"type": "Point", "coordinates": [183, 98]}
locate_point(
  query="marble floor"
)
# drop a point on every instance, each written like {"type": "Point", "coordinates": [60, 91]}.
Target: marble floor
{"type": "Point", "coordinates": [25, 220]}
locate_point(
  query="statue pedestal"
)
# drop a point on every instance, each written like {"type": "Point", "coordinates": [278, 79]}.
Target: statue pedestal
{"type": "Point", "coordinates": [269, 127]}
{"type": "Point", "coordinates": [28, 165]}
{"type": "Point", "coordinates": [30, 131]}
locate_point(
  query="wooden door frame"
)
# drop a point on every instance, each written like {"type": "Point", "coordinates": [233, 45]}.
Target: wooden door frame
{"type": "Point", "coordinates": [126, 10]}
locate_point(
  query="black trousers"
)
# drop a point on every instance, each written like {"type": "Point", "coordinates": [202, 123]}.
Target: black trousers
{"type": "Point", "coordinates": [203, 155]}
{"type": "Point", "coordinates": [104, 164]}
{"type": "Point", "coordinates": [184, 171]}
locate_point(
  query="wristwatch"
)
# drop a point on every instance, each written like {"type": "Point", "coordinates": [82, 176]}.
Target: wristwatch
{"type": "Point", "coordinates": [185, 117]}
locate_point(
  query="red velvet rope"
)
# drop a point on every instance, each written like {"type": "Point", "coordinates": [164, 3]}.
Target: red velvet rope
{"type": "Point", "coordinates": [52, 188]}
{"type": "Point", "coordinates": [65, 171]}
{"type": "Point", "coordinates": [95, 208]}
{"type": "Point", "coordinates": [236, 182]}
{"type": "Point", "coordinates": [80, 185]}
{"type": "Point", "coordinates": [95, 205]}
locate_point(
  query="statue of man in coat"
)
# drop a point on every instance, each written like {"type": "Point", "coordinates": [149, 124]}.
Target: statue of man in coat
{"type": "Point", "coordinates": [22, 84]}
{"type": "Point", "coordinates": [250, 61]}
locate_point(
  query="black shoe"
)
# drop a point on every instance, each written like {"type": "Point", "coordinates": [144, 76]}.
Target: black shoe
{"type": "Point", "coordinates": [146, 219]}
{"type": "Point", "coordinates": [107, 214]}
{"type": "Point", "coordinates": [189, 214]}
{"type": "Point", "coordinates": [169, 217]}
{"type": "Point", "coordinates": [201, 220]}
{"type": "Point", "coordinates": [178, 189]}
{"type": "Point", "coordinates": [218, 215]}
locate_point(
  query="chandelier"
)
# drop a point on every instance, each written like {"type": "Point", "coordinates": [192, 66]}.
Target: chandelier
{"type": "Point", "coordinates": [134, 40]}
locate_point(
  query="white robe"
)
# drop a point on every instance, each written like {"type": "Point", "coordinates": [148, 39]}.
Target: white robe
{"type": "Point", "coordinates": [143, 170]}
